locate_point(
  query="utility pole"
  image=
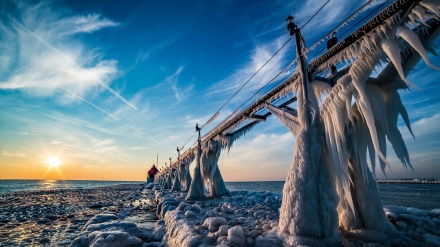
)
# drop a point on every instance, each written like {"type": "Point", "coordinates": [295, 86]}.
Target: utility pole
{"type": "Point", "coordinates": [294, 30]}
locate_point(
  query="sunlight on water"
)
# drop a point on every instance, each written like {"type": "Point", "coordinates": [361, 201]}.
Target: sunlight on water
{"type": "Point", "coordinates": [25, 185]}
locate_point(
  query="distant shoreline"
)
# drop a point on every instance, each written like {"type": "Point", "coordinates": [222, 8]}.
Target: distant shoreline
{"type": "Point", "coordinates": [409, 181]}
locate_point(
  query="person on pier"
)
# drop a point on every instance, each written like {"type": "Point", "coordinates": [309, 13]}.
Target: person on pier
{"type": "Point", "coordinates": [151, 173]}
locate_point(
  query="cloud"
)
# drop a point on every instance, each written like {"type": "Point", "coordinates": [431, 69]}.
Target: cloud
{"type": "Point", "coordinates": [180, 93]}
{"type": "Point", "coordinates": [226, 87]}
{"type": "Point", "coordinates": [16, 154]}
{"type": "Point", "coordinates": [87, 24]}
{"type": "Point", "coordinates": [42, 55]}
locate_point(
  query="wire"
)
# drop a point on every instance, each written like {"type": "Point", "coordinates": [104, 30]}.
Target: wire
{"type": "Point", "coordinates": [188, 140]}
{"type": "Point", "coordinates": [254, 74]}
{"type": "Point", "coordinates": [353, 25]}
{"type": "Point", "coordinates": [364, 17]}
{"type": "Point", "coordinates": [230, 98]}
{"type": "Point", "coordinates": [245, 83]}
{"type": "Point", "coordinates": [348, 18]}
{"type": "Point", "coordinates": [315, 14]}
{"type": "Point", "coordinates": [319, 10]}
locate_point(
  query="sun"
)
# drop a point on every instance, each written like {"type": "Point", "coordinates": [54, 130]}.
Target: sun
{"type": "Point", "coordinates": [53, 162]}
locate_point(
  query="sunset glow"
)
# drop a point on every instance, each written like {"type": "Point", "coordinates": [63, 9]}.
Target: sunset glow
{"type": "Point", "coordinates": [53, 162]}
{"type": "Point", "coordinates": [98, 91]}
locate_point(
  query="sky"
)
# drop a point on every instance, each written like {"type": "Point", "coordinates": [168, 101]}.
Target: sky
{"type": "Point", "coordinates": [103, 88]}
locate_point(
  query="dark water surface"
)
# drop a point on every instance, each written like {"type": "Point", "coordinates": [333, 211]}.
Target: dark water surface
{"type": "Point", "coordinates": [422, 196]}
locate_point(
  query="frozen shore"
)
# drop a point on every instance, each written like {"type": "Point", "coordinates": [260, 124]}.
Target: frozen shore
{"type": "Point", "coordinates": [56, 217]}
{"type": "Point", "coordinates": [243, 218]}
{"type": "Point", "coordinates": [251, 219]}
{"type": "Point", "coordinates": [125, 215]}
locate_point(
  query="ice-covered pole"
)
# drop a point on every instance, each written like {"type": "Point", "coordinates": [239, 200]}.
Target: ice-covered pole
{"type": "Point", "coordinates": [176, 182]}
{"type": "Point", "coordinates": [305, 113]}
{"type": "Point", "coordinates": [308, 211]}
{"type": "Point", "coordinates": [197, 190]}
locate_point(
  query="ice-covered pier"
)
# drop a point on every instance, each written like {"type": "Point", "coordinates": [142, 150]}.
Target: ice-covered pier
{"type": "Point", "coordinates": [341, 123]}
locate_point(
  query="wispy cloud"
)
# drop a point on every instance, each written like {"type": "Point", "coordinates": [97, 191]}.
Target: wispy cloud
{"type": "Point", "coordinates": [16, 154]}
{"type": "Point", "coordinates": [225, 88]}
{"type": "Point", "coordinates": [50, 56]}
{"type": "Point", "coordinates": [87, 24]}
{"type": "Point", "coordinates": [180, 92]}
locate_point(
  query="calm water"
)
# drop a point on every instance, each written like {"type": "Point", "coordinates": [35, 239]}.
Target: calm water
{"type": "Point", "coordinates": [422, 196]}
{"type": "Point", "coordinates": [23, 185]}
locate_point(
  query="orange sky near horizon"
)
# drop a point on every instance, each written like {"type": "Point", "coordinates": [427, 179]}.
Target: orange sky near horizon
{"type": "Point", "coordinates": [40, 170]}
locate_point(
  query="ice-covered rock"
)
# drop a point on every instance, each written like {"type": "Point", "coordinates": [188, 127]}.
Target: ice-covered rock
{"type": "Point", "coordinates": [101, 218]}
{"type": "Point", "coordinates": [213, 223]}
{"type": "Point", "coordinates": [236, 236]}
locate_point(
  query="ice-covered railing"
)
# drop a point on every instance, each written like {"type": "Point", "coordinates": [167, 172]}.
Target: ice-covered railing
{"type": "Point", "coordinates": [319, 64]}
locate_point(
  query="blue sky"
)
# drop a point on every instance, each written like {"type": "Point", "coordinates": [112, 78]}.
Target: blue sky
{"type": "Point", "coordinates": [107, 86]}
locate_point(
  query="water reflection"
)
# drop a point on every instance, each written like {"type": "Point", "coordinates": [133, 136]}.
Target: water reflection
{"type": "Point", "coordinates": [46, 185]}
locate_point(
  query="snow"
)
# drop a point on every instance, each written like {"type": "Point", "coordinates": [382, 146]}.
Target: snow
{"type": "Point", "coordinates": [249, 218]}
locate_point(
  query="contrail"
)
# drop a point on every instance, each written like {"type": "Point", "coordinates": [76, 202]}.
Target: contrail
{"type": "Point", "coordinates": [67, 57]}
{"type": "Point", "coordinates": [77, 96]}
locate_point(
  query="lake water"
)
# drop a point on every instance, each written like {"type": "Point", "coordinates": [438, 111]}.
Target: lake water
{"type": "Point", "coordinates": [23, 185]}
{"type": "Point", "coordinates": [422, 196]}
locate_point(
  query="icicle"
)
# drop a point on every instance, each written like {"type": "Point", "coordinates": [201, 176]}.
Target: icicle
{"type": "Point", "coordinates": [393, 54]}
{"type": "Point", "coordinates": [412, 18]}
{"type": "Point", "coordinates": [431, 6]}
{"type": "Point", "coordinates": [409, 36]}
{"type": "Point", "coordinates": [212, 118]}
{"type": "Point", "coordinates": [432, 16]}
{"type": "Point", "coordinates": [239, 133]}
{"type": "Point", "coordinates": [288, 118]}
{"type": "Point", "coordinates": [420, 12]}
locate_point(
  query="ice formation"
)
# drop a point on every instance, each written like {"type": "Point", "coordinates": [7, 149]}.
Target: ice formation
{"type": "Point", "coordinates": [186, 176]}
{"type": "Point", "coordinates": [211, 172]}
{"type": "Point", "coordinates": [330, 183]}
{"type": "Point", "coordinates": [337, 162]}
{"type": "Point", "coordinates": [211, 154]}
{"type": "Point", "coordinates": [309, 198]}
{"type": "Point", "coordinates": [177, 186]}
{"type": "Point", "coordinates": [197, 188]}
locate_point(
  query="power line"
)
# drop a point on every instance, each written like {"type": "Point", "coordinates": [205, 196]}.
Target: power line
{"type": "Point", "coordinates": [357, 23]}
{"type": "Point", "coordinates": [255, 74]}
{"type": "Point", "coordinates": [230, 98]}
{"type": "Point", "coordinates": [315, 14]}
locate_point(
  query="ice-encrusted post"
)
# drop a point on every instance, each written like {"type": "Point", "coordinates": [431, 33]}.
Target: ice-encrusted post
{"type": "Point", "coordinates": [211, 171]}
{"type": "Point", "coordinates": [187, 177]}
{"type": "Point", "coordinates": [176, 183]}
{"type": "Point", "coordinates": [308, 210]}
{"type": "Point", "coordinates": [197, 190]}
{"type": "Point", "coordinates": [167, 184]}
